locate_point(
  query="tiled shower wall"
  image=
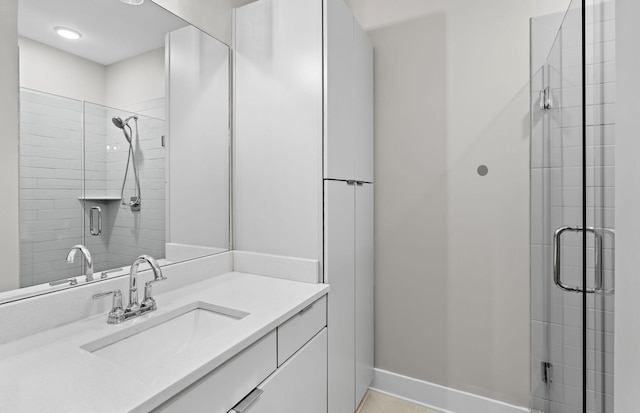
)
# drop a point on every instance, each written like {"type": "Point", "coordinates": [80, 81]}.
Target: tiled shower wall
{"type": "Point", "coordinates": [556, 185]}
{"type": "Point", "coordinates": [50, 184]}
{"type": "Point", "coordinates": [141, 232]}
{"type": "Point", "coordinates": [51, 215]}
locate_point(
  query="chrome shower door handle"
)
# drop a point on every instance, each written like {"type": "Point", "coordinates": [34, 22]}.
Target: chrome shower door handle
{"type": "Point", "coordinates": [92, 228]}
{"type": "Point", "coordinates": [557, 260]}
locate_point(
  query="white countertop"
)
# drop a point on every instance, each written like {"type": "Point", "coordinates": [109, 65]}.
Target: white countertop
{"type": "Point", "coordinates": [49, 372]}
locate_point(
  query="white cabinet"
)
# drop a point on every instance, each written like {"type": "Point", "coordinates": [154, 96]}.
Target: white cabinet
{"type": "Point", "coordinates": [339, 142]}
{"type": "Point", "coordinates": [221, 389]}
{"type": "Point", "coordinates": [348, 140]}
{"type": "Point", "coordinates": [364, 288]}
{"type": "Point", "coordinates": [339, 273]}
{"type": "Point", "coordinates": [300, 384]}
{"type": "Point", "coordinates": [363, 105]}
{"type": "Point", "coordinates": [300, 328]}
{"type": "Point", "coordinates": [296, 354]}
{"type": "Point", "coordinates": [303, 123]}
{"type": "Point", "coordinates": [303, 112]}
{"type": "Point", "coordinates": [348, 201]}
{"type": "Point", "coordinates": [349, 271]}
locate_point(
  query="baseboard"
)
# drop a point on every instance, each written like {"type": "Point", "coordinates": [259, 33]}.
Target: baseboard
{"type": "Point", "coordinates": [434, 396]}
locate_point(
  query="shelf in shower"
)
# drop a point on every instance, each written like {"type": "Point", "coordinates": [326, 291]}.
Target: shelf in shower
{"type": "Point", "coordinates": [99, 198]}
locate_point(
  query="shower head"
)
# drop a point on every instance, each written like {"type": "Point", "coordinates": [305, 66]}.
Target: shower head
{"type": "Point", "coordinates": [117, 120]}
{"type": "Point", "coordinates": [120, 124]}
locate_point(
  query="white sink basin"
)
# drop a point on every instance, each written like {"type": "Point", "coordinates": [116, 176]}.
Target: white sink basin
{"type": "Point", "coordinates": [156, 340]}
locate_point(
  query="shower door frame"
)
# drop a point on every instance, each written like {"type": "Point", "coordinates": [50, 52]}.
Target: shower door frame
{"type": "Point", "coordinates": [588, 288]}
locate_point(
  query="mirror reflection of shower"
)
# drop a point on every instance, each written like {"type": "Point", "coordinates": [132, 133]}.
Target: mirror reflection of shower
{"type": "Point", "coordinates": [136, 200]}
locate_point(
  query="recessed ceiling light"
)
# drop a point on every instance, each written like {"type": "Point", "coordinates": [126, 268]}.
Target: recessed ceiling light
{"type": "Point", "coordinates": [67, 33]}
{"type": "Point", "coordinates": [133, 2]}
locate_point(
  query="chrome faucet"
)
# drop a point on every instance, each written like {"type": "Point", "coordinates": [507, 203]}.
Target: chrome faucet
{"type": "Point", "coordinates": [87, 259]}
{"type": "Point", "coordinates": [134, 305]}
{"type": "Point", "coordinates": [135, 308]}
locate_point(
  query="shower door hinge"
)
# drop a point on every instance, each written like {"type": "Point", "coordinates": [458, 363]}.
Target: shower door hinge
{"type": "Point", "coordinates": [546, 102]}
{"type": "Point", "coordinates": [547, 372]}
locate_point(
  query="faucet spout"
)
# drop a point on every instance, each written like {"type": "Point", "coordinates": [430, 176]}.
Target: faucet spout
{"type": "Point", "coordinates": [87, 259]}
{"type": "Point", "coordinates": [134, 304]}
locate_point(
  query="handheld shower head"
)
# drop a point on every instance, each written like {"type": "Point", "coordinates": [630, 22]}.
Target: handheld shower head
{"type": "Point", "coordinates": [124, 125]}
{"type": "Point", "coordinates": [117, 120]}
{"type": "Point", "coordinates": [120, 124]}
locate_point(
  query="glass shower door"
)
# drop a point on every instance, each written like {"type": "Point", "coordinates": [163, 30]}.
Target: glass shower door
{"type": "Point", "coordinates": [600, 195]}
{"type": "Point", "coordinates": [118, 229]}
{"type": "Point", "coordinates": [572, 219]}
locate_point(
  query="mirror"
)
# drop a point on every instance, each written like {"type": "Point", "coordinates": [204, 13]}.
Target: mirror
{"type": "Point", "coordinates": [124, 138]}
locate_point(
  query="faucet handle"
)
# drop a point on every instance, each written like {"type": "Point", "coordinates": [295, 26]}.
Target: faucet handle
{"type": "Point", "coordinates": [116, 315]}
{"type": "Point", "coordinates": [70, 281]}
{"type": "Point", "coordinates": [149, 301]}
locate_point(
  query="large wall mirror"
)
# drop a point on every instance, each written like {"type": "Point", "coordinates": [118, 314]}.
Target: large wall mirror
{"type": "Point", "coordinates": [124, 138]}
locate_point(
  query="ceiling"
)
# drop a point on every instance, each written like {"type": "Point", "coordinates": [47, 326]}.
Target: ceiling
{"type": "Point", "coordinates": [112, 31]}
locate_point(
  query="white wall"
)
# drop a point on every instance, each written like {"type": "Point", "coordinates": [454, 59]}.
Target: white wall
{"type": "Point", "coordinates": [627, 337]}
{"type": "Point", "coordinates": [452, 262]}
{"type": "Point", "coordinates": [214, 17]}
{"type": "Point", "coordinates": [137, 79]}
{"type": "Point", "coordinates": [9, 251]}
{"type": "Point", "coordinates": [50, 70]}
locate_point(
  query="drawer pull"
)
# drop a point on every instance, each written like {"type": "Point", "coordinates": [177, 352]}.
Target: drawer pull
{"type": "Point", "coordinates": [247, 401]}
{"type": "Point", "coordinates": [304, 310]}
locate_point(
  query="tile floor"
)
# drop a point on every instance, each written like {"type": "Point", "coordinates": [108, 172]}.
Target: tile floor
{"type": "Point", "coordinates": [380, 403]}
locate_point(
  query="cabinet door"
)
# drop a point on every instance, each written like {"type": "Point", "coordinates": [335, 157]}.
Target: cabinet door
{"type": "Point", "coordinates": [364, 288]}
{"type": "Point", "coordinates": [363, 104]}
{"type": "Point", "coordinates": [339, 265]}
{"type": "Point", "coordinates": [339, 122]}
{"type": "Point", "coordinates": [300, 385]}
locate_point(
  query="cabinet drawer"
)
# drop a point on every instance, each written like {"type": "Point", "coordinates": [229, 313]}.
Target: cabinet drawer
{"type": "Point", "coordinates": [221, 389]}
{"type": "Point", "coordinates": [300, 328]}
{"type": "Point", "coordinates": [299, 385]}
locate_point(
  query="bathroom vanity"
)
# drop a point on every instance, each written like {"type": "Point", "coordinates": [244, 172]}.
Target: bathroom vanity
{"type": "Point", "coordinates": [252, 336]}
{"type": "Point", "coordinates": [292, 356]}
